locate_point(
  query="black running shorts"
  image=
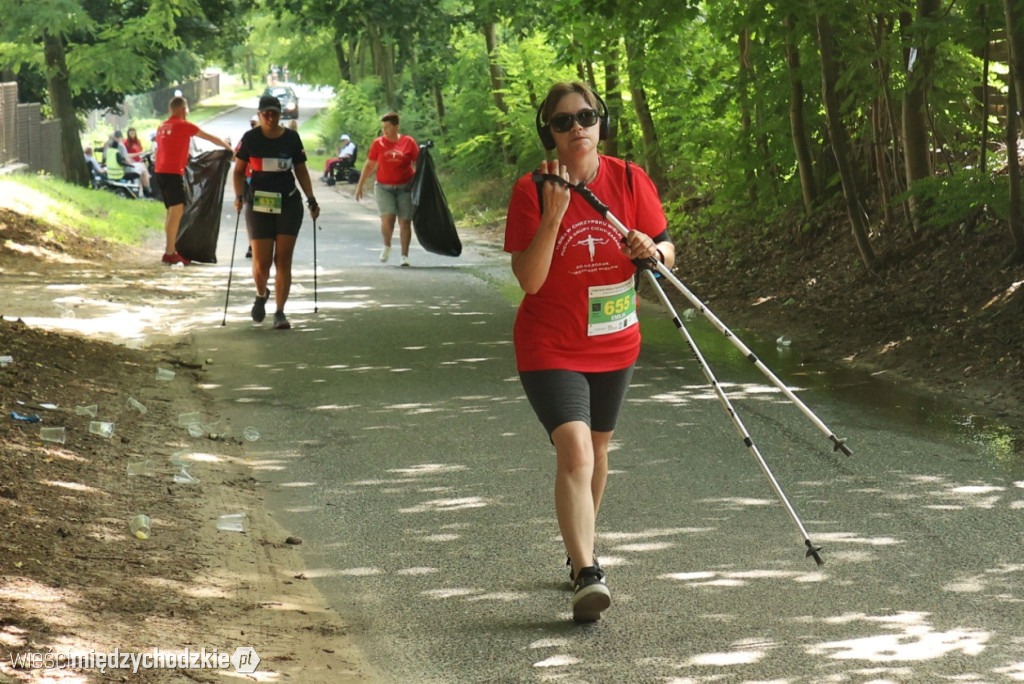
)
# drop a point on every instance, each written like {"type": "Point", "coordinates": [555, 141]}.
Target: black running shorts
{"type": "Point", "coordinates": [172, 188]}
{"type": "Point", "coordinates": [562, 396]}
{"type": "Point", "coordinates": [268, 226]}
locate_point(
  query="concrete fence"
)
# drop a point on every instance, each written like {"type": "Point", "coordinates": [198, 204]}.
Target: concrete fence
{"type": "Point", "coordinates": [26, 139]}
{"type": "Point", "coordinates": [29, 140]}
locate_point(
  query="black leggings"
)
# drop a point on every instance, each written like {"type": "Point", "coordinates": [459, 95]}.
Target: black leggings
{"type": "Point", "coordinates": [562, 396]}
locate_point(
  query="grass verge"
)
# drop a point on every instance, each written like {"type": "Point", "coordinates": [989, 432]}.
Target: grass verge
{"type": "Point", "coordinates": [95, 213]}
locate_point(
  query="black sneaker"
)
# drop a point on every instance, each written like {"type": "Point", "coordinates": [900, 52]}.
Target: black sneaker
{"type": "Point", "coordinates": [280, 321]}
{"type": "Point", "coordinates": [259, 308]}
{"type": "Point", "coordinates": [248, 252]}
{"type": "Point", "coordinates": [568, 564]}
{"type": "Point", "coordinates": [590, 595]}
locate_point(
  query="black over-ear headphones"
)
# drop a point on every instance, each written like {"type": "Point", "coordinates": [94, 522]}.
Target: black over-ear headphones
{"type": "Point", "coordinates": [548, 139]}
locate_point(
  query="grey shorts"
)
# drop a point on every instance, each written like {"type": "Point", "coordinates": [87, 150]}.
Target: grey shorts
{"type": "Point", "coordinates": [393, 200]}
{"type": "Point", "coordinates": [562, 396]}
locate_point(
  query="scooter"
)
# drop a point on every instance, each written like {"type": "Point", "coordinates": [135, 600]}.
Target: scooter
{"type": "Point", "coordinates": [127, 184]}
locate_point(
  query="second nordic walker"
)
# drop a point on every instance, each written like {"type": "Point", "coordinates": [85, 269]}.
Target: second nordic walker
{"type": "Point", "coordinates": [576, 335]}
{"type": "Point", "coordinates": [272, 204]}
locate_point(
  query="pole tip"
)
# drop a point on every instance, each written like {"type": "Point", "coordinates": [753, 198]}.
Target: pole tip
{"type": "Point", "coordinates": [840, 445]}
{"type": "Point", "coordinates": [813, 552]}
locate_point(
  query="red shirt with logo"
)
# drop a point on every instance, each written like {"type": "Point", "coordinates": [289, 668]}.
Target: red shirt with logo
{"type": "Point", "coordinates": [394, 159]}
{"type": "Point", "coordinates": [583, 318]}
{"type": "Point", "coordinates": [172, 143]}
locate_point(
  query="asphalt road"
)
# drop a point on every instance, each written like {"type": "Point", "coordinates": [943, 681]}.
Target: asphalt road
{"type": "Point", "coordinates": [396, 441]}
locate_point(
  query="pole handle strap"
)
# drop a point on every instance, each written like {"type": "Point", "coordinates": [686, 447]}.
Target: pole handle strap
{"type": "Point", "coordinates": [583, 191]}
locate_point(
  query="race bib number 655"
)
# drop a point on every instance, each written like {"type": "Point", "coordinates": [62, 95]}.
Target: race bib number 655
{"type": "Point", "coordinates": [612, 308]}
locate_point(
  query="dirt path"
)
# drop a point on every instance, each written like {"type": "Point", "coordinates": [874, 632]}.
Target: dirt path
{"type": "Point", "coordinates": [73, 578]}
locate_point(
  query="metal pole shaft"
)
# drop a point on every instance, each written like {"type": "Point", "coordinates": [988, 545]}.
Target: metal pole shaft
{"type": "Point", "coordinates": [812, 550]}
{"type": "Point", "coordinates": [231, 269]}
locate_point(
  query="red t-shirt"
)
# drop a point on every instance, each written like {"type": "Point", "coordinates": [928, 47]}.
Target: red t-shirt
{"type": "Point", "coordinates": [134, 148]}
{"type": "Point", "coordinates": [583, 317]}
{"type": "Point", "coordinates": [172, 142]}
{"type": "Point", "coordinates": [394, 159]}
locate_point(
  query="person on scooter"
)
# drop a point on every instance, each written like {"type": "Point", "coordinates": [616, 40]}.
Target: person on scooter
{"type": "Point", "coordinates": [173, 138]}
{"type": "Point", "coordinates": [273, 206]}
{"type": "Point", "coordinates": [576, 334]}
{"type": "Point", "coordinates": [96, 170]}
{"type": "Point", "coordinates": [346, 153]}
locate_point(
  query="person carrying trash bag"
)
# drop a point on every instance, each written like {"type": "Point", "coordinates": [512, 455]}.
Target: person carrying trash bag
{"type": "Point", "coordinates": [577, 336]}
{"type": "Point", "coordinates": [273, 206]}
{"type": "Point", "coordinates": [392, 157]}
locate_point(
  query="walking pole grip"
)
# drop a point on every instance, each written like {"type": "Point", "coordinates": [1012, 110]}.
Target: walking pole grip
{"type": "Point", "coordinates": [583, 191]}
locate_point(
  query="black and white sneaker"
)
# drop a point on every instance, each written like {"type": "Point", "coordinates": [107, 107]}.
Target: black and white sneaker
{"type": "Point", "coordinates": [259, 308]}
{"type": "Point", "coordinates": [568, 564]}
{"type": "Point", "coordinates": [590, 595]}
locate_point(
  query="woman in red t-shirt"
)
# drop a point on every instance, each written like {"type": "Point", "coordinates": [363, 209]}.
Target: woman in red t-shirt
{"type": "Point", "coordinates": [393, 156]}
{"type": "Point", "coordinates": [576, 334]}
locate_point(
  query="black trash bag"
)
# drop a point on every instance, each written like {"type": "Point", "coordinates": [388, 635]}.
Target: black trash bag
{"type": "Point", "coordinates": [431, 218]}
{"type": "Point", "coordinates": [205, 178]}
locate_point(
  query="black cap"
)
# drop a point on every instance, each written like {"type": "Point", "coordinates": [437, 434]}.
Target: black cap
{"type": "Point", "coordinates": [268, 103]}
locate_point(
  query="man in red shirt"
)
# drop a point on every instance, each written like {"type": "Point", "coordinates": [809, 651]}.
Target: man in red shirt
{"type": "Point", "coordinates": [173, 138]}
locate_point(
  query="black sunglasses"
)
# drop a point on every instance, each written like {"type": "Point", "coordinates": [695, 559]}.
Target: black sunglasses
{"type": "Point", "coordinates": [563, 123]}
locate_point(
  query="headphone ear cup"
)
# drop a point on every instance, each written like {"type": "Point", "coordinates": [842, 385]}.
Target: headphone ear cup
{"type": "Point", "coordinates": [546, 138]}
{"type": "Point", "coordinates": [605, 121]}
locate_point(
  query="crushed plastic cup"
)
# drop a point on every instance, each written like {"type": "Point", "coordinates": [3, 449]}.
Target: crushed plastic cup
{"type": "Point", "coordinates": [195, 430]}
{"type": "Point", "coordinates": [101, 428]}
{"type": "Point", "coordinates": [232, 522]}
{"type": "Point", "coordinates": [143, 468]}
{"type": "Point", "coordinates": [180, 459]}
{"type": "Point", "coordinates": [190, 418]}
{"type": "Point", "coordinates": [52, 434]}
{"type": "Point", "coordinates": [164, 374]}
{"type": "Point", "coordinates": [87, 410]}
{"type": "Point", "coordinates": [6, 359]}
{"type": "Point", "coordinates": [141, 526]}
{"type": "Point", "coordinates": [136, 405]}
{"type": "Point", "coordinates": [251, 433]}
{"type": "Point", "coordinates": [783, 341]}
{"type": "Point", "coordinates": [184, 477]}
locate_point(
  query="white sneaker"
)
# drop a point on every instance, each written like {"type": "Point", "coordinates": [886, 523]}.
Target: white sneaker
{"type": "Point", "coordinates": [385, 253]}
{"type": "Point", "coordinates": [405, 260]}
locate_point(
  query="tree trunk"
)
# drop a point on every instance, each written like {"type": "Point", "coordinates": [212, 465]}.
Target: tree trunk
{"type": "Point", "coordinates": [497, 79]}
{"type": "Point", "coordinates": [439, 106]}
{"type": "Point", "coordinates": [1013, 106]}
{"type": "Point", "coordinates": [746, 75]}
{"type": "Point", "coordinates": [797, 126]}
{"type": "Point", "coordinates": [383, 64]}
{"type": "Point", "coordinates": [840, 146]}
{"type": "Point", "coordinates": [493, 68]}
{"type": "Point", "coordinates": [612, 99]}
{"type": "Point", "coordinates": [916, 157]}
{"type": "Point", "coordinates": [57, 82]}
{"type": "Point", "coordinates": [635, 66]}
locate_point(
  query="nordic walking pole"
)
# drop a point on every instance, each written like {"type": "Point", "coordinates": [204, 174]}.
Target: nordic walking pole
{"type": "Point", "coordinates": [592, 200]}
{"type": "Point", "coordinates": [231, 268]}
{"type": "Point", "coordinates": [812, 550]}
{"type": "Point", "coordinates": [315, 307]}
